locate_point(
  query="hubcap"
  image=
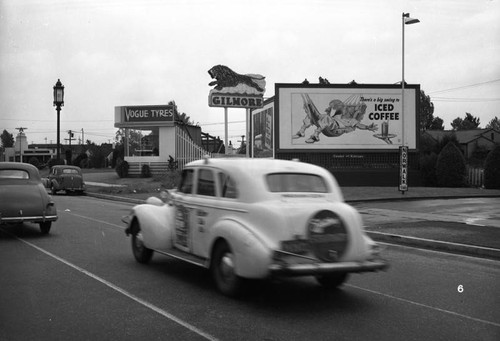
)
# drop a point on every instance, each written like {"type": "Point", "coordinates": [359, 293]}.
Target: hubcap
{"type": "Point", "coordinates": [139, 244]}
{"type": "Point", "coordinates": [227, 266]}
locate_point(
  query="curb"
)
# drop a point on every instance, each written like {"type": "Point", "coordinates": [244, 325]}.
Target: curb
{"type": "Point", "coordinates": [469, 250]}
{"type": "Point", "coordinates": [115, 198]}
{"type": "Point", "coordinates": [409, 198]}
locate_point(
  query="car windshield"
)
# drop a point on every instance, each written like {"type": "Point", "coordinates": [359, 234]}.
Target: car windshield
{"type": "Point", "coordinates": [14, 174]}
{"type": "Point", "coordinates": [296, 182]}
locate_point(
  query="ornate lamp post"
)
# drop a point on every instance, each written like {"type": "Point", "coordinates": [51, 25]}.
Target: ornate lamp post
{"type": "Point", "coordinates": [58, 103]}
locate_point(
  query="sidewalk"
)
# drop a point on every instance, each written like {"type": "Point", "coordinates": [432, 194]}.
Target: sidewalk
{"type": "Point", "coordinates": [443, 237]}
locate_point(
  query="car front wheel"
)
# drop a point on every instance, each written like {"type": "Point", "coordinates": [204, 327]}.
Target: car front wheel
{"type": "Point", "coordinates": [141, 253]}
{"type": "Point", "coordinates": [224, 270]}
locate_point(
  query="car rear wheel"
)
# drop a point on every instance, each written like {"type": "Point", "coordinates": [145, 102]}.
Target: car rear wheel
{"type": "Point", "coordinates": [224, 270]}
{"type": "Point", "coordinates": [332, 281]}
{"type": "Point", "coordinates": [141, 253]}
{"type": "Point", "coordinates": [45, 227]}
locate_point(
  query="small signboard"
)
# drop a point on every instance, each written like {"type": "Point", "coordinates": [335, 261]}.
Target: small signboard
{"type": "Point", "coordinates": [403, 169]}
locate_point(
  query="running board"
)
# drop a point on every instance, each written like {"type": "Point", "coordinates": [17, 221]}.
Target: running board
{"type": "Point", "coordinates": [186, 257]}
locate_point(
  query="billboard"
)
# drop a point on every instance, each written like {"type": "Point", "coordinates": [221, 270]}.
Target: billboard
{"type": "Point", "coordinates": [345, 117]}
{"type": "Point", "coordinates": [142, 115]}
{"type": "Point", "coordinates": [234, 90]}
{"type": "Point", "coordinates": [262, 130]}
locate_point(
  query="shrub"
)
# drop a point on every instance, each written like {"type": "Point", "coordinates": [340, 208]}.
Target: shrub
{"type": "Point", "coordinates": [55, 162]}
{"type": "Point", "coordinates": [146, 171]}
{"type": "Point", "coordinates": [34, 161]}
{"type": "Point", "coordinates": [122, 168]}
{"type": "Point", "coordinates": [78, 160]}
{"type": "Point", "coordinates": [450, 167]}
{"type": "Point", "coordinates": [492, 169]}
{"type": "Point", "coordinates": [428, 169]}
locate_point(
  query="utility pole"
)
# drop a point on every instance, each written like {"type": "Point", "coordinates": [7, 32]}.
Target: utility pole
{"type": "Point", "coordinates": [70, 133]}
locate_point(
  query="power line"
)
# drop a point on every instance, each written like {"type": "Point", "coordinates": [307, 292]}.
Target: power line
{"type": "Point", "coordinates": [465, 86]}
{"type": "Point", "coordinates": [451, 99]}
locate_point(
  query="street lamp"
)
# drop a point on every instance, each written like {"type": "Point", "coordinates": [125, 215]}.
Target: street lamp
{"type": "Point", "coordinates": [58, 103]}
{"type": "Point", "coordinates": [403, 150]}
{"type": "Point", "coordinates": [406, 20]}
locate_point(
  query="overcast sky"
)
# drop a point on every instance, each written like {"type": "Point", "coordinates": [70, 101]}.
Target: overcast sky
{"type": "Point", "coordinates": [111, 53]}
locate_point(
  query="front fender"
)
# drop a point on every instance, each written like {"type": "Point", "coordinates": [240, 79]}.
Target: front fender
{"type": "Point", "coordinates": [156, 223]}
{"type": "Point", "coordinates": [252, 256]}
{"type": "Point", "coordinates": [54, 183]}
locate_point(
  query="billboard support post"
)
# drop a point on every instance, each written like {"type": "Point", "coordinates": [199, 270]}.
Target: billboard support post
{"type": "Point", "coordinates": [226, 149]}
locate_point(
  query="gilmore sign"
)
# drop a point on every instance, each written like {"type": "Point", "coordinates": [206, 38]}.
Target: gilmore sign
{"type": "Point", "coordinates": [235, 100]}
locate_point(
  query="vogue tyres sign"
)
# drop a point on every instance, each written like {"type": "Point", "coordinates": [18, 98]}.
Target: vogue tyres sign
{"type": "Point", "coordinates": [149, 113]}
{"type": "Point", "coordinates": [144, 114]}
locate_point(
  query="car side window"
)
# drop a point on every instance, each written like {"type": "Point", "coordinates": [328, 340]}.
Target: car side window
{"type": "Point", "coordinates": [227, 186]}
{"type": "Point", "coordinates": [206, 183]}
{"type": "Point", "coordinates": [186, 184]}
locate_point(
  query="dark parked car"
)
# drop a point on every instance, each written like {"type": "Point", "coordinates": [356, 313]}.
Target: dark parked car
{"type": "Point", "coordinates": [67, 178]}
{"type": "Point", "coordinates": [23, 198]}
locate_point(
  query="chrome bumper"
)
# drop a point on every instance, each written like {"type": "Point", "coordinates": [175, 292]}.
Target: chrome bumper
{"type": "Point", "coordinates": [34, 219]}
{"type": "Point", "coordinates": [326, 268]}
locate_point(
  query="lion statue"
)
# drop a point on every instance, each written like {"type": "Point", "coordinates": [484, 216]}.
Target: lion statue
{"type": "Point", "coordinates": [227, 78]}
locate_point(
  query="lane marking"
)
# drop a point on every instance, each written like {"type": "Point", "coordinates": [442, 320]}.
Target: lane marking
{"type": "Point", "coordinates": [121, 291]}
{"type": "Point", "coordinates": [424, 305]}
{"type": "Point", "coordinates": [95, 220]}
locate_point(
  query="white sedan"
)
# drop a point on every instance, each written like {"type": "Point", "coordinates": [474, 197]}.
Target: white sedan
{"type": "Point", "coordinates": [256, 218]}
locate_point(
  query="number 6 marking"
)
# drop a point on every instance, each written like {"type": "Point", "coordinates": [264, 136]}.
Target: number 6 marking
{"type": "Point", "coordinates": [460, 288]}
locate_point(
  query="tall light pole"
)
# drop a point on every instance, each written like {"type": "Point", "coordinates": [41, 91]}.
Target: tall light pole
{"type": "Point", "coordinates": [403, 167]}
{"type": "Point", "coordinates": [406, 20]}
{"type": "Point", "coordinates": [58, 103]}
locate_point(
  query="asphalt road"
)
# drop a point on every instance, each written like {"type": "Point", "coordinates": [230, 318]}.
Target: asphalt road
{"type": "Point", "coordinates": [81, 283]}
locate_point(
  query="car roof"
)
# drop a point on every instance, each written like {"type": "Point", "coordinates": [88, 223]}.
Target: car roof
{"type": "Point", "coordinates": [250, 173]}
{"type": "Point", "coordinates": [66, 166]}
{"type": "Point", "coordinates": [28, 167]}
{"type": "Point", "coordinates": [259, 166]}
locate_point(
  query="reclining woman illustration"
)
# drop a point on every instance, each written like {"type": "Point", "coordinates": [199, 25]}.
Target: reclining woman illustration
{"type": "Point", "coordinates": [345, 119]}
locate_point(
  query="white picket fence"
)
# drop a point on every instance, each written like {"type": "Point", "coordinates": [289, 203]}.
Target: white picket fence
{"type": "Point", "coordinates": [186, 150]}
{"type": "Point", "coordinates": [475, 177]}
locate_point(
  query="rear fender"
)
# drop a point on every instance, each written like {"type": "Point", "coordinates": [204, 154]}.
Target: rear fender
{"type": "Point", "coordinates": [157, 225]}
{"type": "Point", "coordinates": [252, 256]}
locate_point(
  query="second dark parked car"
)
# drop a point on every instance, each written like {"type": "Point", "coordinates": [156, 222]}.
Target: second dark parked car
{"type": "Point", "coordinates": [67, 178]}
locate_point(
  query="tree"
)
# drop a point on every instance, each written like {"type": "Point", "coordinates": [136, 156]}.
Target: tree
{"type": "Point", "coordinates": [436, 124]}
{"type": "Point", "coordinates": [7, 139]}
{"type": "Point", "coordinates": [180, 117]}
{"type": "Point", "coordinates": [494, 124]}
{"type": "Point", "coordinates": [492, 169]}
{"type": "Point", "coordinates": [450, 167]}
{"type": "Point", "coordinates": [468, 123]}
{"type": "Point", "coordinates": [426, 113]}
